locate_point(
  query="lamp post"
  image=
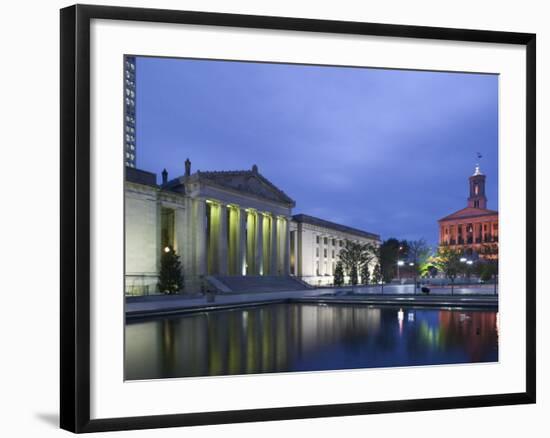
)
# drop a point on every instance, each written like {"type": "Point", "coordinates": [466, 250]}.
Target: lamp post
{"type": "Point", "coordinates": [399, 263]}
{"type": "Point", "coordinates": [411, 264]}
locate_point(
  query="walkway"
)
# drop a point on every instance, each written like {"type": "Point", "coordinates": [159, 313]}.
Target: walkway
{"type": "Point", "coordinates": [161, 305]}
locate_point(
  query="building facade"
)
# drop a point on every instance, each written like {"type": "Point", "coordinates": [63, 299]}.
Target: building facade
{"type": "Point", "coordinates": [130, 111]}
{"type": "Point", "coordinates": [473, 229]}
{"type": "Point", "coordinates": [316, 244]}
{"type": "Point", "coordinates": [226, 223]}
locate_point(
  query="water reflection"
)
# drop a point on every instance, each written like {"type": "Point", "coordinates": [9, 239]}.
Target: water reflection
{"type": "Point", "coordinates": [300, 337]}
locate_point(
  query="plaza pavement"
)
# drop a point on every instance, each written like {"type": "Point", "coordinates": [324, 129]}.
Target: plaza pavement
{"type": "Point", "coordinates": [396, 295]}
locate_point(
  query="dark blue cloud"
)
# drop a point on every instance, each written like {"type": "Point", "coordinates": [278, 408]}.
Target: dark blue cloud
{"type": "Point", "coordinates": [388, 151]}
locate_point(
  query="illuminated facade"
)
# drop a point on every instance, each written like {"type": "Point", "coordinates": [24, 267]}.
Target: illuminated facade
{"type": "Point", "coordinates": [223, 224]}
{"type": "Point", "coordinates": [316, 245]}
{"type": "Point", "coordinates": [473, 229]}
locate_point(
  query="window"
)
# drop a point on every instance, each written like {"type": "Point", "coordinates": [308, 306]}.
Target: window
{"type": "Point", "coordinates": [167, 228]}
{"type": "Point", "coordinates": [332, 253]}
{"type": "Point", "coordinates": [341, 243]}
{"type": "Point", "coordinates": [317, 252]}
{"type": "Point", "coordinates": [325, 240]}
{"type": "Point", "coordinates": [333, 242]}
{"type": "Point", "coordinates": [325, 253]}
{"type": "Point", "coordinates": [317, 268]}
{"type": "Point", "coordinates": [317, 240]}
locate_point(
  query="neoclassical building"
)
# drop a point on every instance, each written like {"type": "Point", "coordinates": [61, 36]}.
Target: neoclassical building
{"type": "Point", "coordinates": [316, 245]}
{"type": "Point", "coordinates": [474, 228]}
{"type": "Point", "coordinates": [225, 226]}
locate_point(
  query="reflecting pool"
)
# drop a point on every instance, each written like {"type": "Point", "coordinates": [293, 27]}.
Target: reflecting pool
{"type": "Point", "coordinates": [307, 337]}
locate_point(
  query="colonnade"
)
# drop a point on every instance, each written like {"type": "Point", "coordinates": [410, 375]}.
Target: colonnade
{"type": "Point", "coordinates": [450, 234]}
{"type": "Point", "coordinates": [231, 240]}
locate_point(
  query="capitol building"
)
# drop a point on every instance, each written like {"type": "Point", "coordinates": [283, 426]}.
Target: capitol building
{"type": "Point", "coordinates": [474, 228]}
{"type": "Point", "coordinates": [226, 226]}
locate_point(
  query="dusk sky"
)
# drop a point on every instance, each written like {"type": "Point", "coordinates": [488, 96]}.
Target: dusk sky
{"type": "Point", "coordinates": [386, 151]}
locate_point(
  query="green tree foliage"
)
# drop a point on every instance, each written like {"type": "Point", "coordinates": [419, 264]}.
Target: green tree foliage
{"type": "Point", "coordinates": [365, 274]}
{"type": "Point", "coordinates": [170, 278]}
{"type": "Point", "coordinates": [448, 261]}
{"type": "Point", "coordinates": [339, 274]}
{"type": "Point", "coordinates": [353, 256]}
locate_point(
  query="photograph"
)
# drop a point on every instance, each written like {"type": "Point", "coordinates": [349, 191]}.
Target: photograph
{"type": "Point", "coordinates": [287, 218]}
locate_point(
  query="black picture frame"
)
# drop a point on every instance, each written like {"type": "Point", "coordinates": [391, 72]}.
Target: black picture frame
{"type": "Point", "coordinates": [75, 217]}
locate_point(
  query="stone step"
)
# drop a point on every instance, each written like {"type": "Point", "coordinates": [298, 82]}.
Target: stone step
{"type": "Point", "coordinates": [261, 283]}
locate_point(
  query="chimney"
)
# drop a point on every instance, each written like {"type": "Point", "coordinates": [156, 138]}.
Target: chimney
{"type": "Point", "coordinates": [255, 168]}
{"type": "Point", "coordinates": [187, 167]}
{"type": "Point", "coordinates": [164, 177]}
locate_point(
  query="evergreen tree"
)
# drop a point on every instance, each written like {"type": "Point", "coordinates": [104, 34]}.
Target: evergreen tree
{"type": "Point", "coordinates": [376, 274]}
{"type": "Point", "coordinates": [339, 274]}
{"type": "Point", "coordinates": [365, 274]}
{"type": "Point", "coordinates": [170, 278]}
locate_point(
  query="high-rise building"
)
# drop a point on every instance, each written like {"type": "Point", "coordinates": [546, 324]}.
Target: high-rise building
{"type": "Point", "coordinates": [130, 111]}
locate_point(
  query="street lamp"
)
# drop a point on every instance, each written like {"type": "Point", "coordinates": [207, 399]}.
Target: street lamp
{"type": "Point", "coordinates": [399, 263]}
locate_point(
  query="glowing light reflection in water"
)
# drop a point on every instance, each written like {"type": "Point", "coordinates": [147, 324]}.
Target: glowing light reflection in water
{"type": "Point", "coordinates": [303, 337]}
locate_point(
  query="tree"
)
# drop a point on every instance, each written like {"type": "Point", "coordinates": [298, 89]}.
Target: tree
{"type": "Point", "coordinates": [365, 274]}
{"type": "Point", "coordinates": [388, 255]}
{"type": "Point", "coordinates": [353, 279]}
{"type": "Point", "coordinates": [353, 256]}
{"type": "Point", "coordinates": [377, 275]}
{"type": "Point", "coordinates": [489, 253]}
{"type": "Point", "coordinates": [170, 278]}
{"type": "Point", "coordinates": [448, 261]}
{"type": "Point", "coordinates": [419, 252]}
{"type": "Point", "coordinates": [339, 274]}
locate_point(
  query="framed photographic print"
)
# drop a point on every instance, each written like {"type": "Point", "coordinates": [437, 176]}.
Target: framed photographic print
{"type": "Point", "coordinates": [272, 218]}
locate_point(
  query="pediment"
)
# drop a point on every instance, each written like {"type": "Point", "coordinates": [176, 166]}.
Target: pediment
{"type": "Point", "coordinates": [248, 182]}
{"type": "Point", "coordinates": [469, 212]}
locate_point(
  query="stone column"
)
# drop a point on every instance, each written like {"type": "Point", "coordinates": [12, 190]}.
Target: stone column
{"type": "Point", "coordinates": [222, 242]}
{"type": "Point", "coordinates": [199, 222]}
{"type": "Point", "coordinates": [456, 234]}
{"type": "Point", "coordinates": [274, 247]}
{"type": "Point", "coordinates": [250, 243]}
{"type": "Point", "coordinates": [241, 248]}
{"type": "Point", "coordinates": [295, 252]}
{"type": "Point", "coordinates": [258, 250]}
{"type": "Point", "coordinates": [286, 249]}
